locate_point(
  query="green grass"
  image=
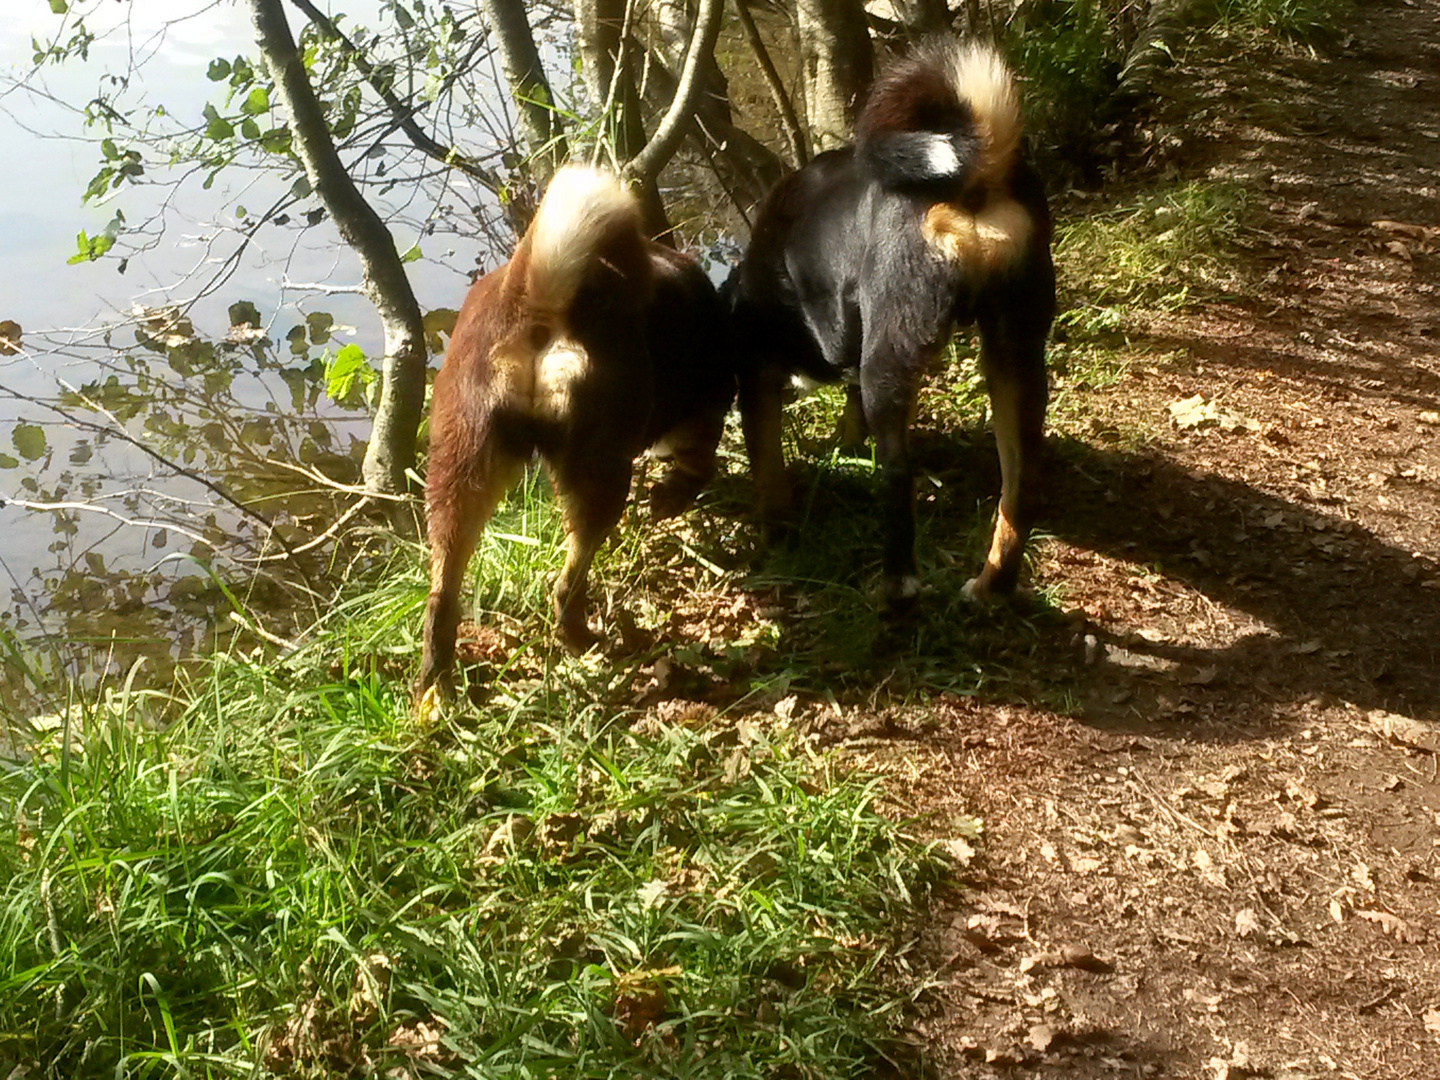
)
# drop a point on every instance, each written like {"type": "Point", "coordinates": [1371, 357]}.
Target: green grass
{"type": "Point", "coordinates": [291, 873]}
{"type": "Point", "coordinates": [1295, 20]}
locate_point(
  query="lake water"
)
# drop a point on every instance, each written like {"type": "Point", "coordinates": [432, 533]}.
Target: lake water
{"type": "Point", "coordinates": [81, 563]}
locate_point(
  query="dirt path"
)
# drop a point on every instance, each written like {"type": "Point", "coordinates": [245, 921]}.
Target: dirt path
{"type": "Point", "coordinates": [1229, 863]}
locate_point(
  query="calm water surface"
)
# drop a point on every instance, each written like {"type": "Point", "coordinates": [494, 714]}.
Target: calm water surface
{"type": "Point", "coordinates": [62, 573]}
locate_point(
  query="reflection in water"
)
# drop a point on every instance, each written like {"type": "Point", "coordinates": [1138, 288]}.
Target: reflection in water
{"type": "Point", "coordinates": [182, 478]}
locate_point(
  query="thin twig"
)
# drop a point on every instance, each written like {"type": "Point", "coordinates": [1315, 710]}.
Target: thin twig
{"type": "Point", "coordinates": [148, 523]}
{"type": "Point", "coordinates": [646, 165]}
{"type": "Point", "coordinates": [404, 114]}
{"type": "Point", "coordinates": [789, 121]}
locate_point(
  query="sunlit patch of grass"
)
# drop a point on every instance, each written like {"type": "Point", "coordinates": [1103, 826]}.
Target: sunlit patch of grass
{"type": "Point", "coordinates": [294, 874]}
{"type": "Point", "coordinates": [1297, 20]}
{"type": "Point", "coordinates": [1161, 253]}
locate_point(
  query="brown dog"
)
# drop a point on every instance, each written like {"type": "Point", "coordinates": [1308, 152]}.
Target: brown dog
{"type": "Point", "coordinates": [591, 344]}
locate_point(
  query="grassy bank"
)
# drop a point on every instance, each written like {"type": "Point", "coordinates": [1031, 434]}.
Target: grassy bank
{"type": "Point", "coordinates": [291, 872]}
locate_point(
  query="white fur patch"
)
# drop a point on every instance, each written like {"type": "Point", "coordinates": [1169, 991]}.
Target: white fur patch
{"type": "Point", "coordinates": [909, 587]}
{"type": "Point", "coordinates": [557, 369]}
{"type": "Point", "coordinates": [981, 77]}
{"type": "Point", "coordinates": [804, 385]}
{"type": "Point", "coordinates": [940, 156]}
{"type": "Point", "coordinates": [580, 206]}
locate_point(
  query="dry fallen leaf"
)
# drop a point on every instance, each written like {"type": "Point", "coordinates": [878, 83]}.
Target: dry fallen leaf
{"type": "Point", "coordinates": [1041, 1036]}
{"type": "Point", "coordinates": [1247, 924]}
{"type": "Point", "coordinates": [1432, 1021]}
{"type": "Point", "coordinates": [1405, 731]}
{"type": "Point", "coordinates": [957, 850]}
{"type": "Point", "coordinates": [1394, 926]}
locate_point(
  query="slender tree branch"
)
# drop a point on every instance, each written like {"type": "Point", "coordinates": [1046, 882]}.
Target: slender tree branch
{"type": "Point", "coordinates": [404, 114]}
{"type": "Point", "coordinates": [789, 120]}
{"type": "Point", "coordinates": [646, 165]}
{"type": "Point", "coordinates": [147, 523]}
{"type": "Point", "coordinates": [510, 27]}
{"type": "Point", "coordinates": [391, 450]}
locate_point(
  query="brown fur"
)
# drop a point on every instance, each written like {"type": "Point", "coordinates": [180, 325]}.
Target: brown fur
{"type": "Point", "coordinates": [607, 344]}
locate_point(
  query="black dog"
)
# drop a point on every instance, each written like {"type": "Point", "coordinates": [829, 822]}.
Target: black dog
{"type": "Point", "coordinates": [860, 263]}
{"type": "Point", "coordinates": [589, 345]}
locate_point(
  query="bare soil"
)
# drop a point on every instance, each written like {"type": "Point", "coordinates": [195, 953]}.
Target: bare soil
{"type": "Point", "coordinates": [1223, 859]}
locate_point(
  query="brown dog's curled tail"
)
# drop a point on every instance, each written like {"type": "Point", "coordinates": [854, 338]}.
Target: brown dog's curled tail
{"type": "Point", "coordinates": [584, 217]}
{"type": "Point", "coordinates": [943, 117]}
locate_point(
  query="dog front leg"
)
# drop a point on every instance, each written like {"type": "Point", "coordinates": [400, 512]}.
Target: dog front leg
{"type": "Point", "coordinates": [853, 430]}
{"type": "Point", "coordinates": [888, 394]}
{"type": "Point", "coordinates": [761, 396]}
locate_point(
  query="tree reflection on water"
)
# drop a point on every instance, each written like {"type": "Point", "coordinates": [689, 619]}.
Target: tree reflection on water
{"type": "Point", "coordinates": [171, 491]}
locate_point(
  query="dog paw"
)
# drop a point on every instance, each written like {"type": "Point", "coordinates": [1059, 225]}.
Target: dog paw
{"type": "Point", "coordinates": [976, 591]}
{"type": "Point", "coordinates": [578, 638]}
{"type": "Point", "coordinates": [902, 595]}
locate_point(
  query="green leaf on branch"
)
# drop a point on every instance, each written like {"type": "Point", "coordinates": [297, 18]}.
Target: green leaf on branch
{"type": "Point", "coordinates": [8, 462]}
{"type": "Point", "coordinates": [412, 255]}
{"type": "Point", "coordinates": [219, 69]}
{"type": "Point", "coordinates": [216, 126]}
{"type": "Point", "coordinates": [276, 140]}
{"type": "Point", "coordinates": [347, 370]}
{"type": "Point", "coordinates": [90, 247]}
{"type": "Point", "coordinates": [29, 440]}
{"type": "Point", "coordinates": [256, 102]}
{"type": "Point", "coordinates": [59, 7]}
{"type": "Point", "coordinates": [249, 128]}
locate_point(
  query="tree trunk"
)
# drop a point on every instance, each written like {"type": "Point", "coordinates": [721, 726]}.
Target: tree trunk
{"type": "Point", "coordinates": [699, 59]}
{"type": "Point", "coordinates": [1153, 48]}
{"type": "Point", "coordinates": [837, 62]}
{"type": "Point", "coordinates": [402, 388]}
{"type": "Point", "coordinates": [539, 123]}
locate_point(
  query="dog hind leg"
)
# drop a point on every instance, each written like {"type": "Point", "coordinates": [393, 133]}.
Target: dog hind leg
{"type": "Point", "coordinates": [691, 464]}
{"type": "Point", "coordinates": [887, 392]}
{"type": "Point", "coordinates": [592, 493]}
{"type": "Point", "coordinates": [1014, 367]}
{"type": "Point", "coordinates": [762, 390]}
{"type": "Point", "coordinates": [460, 503]}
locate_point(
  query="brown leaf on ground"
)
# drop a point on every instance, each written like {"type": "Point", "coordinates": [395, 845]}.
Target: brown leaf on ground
{"type": "Point", "coordinates": [1041, 1036]}
{"type": "Point", "coordinates": [640, 999]}
{"type": "Point", "coordinates": [1246, 923]}
{"type": "Point", "coordinates": [1404, 731]}
{"type": "Point", "coordinates": [1394, 926]}
{"type": "Point", "coordinates": [420, 1041]}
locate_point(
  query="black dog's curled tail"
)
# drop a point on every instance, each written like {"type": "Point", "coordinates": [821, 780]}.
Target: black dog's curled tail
{"type": "Point", "coordinates": [943, 117]}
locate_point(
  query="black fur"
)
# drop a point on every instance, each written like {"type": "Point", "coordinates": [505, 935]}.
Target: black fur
{"type": "Point", "coordinates": [840, 283]}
